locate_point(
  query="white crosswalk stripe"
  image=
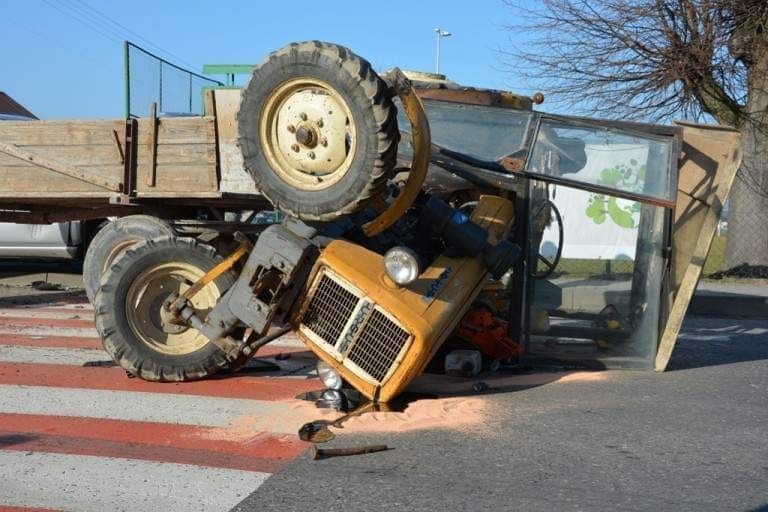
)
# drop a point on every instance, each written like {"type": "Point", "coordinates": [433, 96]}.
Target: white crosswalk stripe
{"type": "Point", "coordinates": [99, 484]}
{"type": "Point", "coordinates": [134, 406]}
{"type": "Point", "coordinates": [44, 355]}
{"type": "Point", "coordinates": [42, 330]}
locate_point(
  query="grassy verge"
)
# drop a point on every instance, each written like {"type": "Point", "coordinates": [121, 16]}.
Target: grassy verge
{"type": "Point", "coordinates": [716, 256]}
{"type": "Point", "coordinates": [577, 267]}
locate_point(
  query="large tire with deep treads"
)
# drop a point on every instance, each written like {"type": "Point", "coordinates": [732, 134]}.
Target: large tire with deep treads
{"type": "Point", "coordinates": [318, 130]}
{"type": "Point", "coordinates": [112, 240]}
{"type": "Point", "coordinates": [130, 317]}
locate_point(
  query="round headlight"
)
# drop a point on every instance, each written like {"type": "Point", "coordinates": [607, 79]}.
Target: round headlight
{"type": "Point", "coordinates": [330, 377]}
{"type": "Point", "coordinates": [401, 265]}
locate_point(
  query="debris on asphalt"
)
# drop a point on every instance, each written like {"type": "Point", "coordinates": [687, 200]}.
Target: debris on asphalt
{"type": "Point", "coordinates": [49, 287]}
{"type": "Point", "coordinates": [463, 363]}
{"type": "Point", "coordinates": [743, 271]}
{"type": "Point", "coordinates": [316, 432]}
{"type": "Point", "coordinates": [325, 453]}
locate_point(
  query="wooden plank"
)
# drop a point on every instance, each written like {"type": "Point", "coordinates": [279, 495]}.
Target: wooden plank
{"type": "Point", "coordinates": [60, 167]}
{"type": "Point", "coordinates": [81, 156]}
{"type": "Point", "coordinates": [186, 195]}
{"type": "Point", "coordinates": [711, 158]}
{"type": "Point", "coordinates": [180, 181]}
{"type": "Point", "coordinates": [119, 146]}
{"type": "Point", "coordinates": [186, 157]}
{"type": "Point", "coordinates": [129, 166]}
{"type": "Point", "coordinates": [59, 133]}
{"type": "Point", "coordinates": [152, 146]}
{"type": "Point", "coordinates": [47, 197]}
{"type": "Point", "coordinates": [185, 154]}
{"type": "Point", "coordinates": [210, 108]}
{"type": "Point", "coordinates": [234, 177]}
{"type": "Point", "coordinates": [227, 105]}
{"type": "Point", "coordinates": [51, 181]}
{"type": "Point", "coordinates": [106, 156]}
{"type": "Point", "coordinates": [209, 103]}
{"type": "Point", "coordinates": [182, 130]}
{"type": "Point", "coordinates": [196, 175]}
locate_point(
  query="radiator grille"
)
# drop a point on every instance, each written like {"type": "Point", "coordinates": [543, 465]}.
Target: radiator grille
{"type": "Point", "coordinates": [330, 308]}
{"type": "Point", "coordinates": [378, 345]}
{"type": "Point", "coordinates": [356, 328]}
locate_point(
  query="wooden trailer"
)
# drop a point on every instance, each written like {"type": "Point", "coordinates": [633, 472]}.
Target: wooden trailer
{"type": "Point", "coordinates": [160, 175]}
{"type": "Point", "coordinates": [170, 167]}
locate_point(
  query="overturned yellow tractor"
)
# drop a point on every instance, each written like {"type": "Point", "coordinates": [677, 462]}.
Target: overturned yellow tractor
{"type": "Point", "coordinates": [406, 203]}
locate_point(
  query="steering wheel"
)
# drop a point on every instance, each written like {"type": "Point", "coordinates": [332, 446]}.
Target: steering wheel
{"type": "Point", "coordinates": [550, 264]}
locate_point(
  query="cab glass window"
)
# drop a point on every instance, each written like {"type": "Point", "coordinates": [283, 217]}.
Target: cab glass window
{"type": "Point", "coordinates": [485, 133]}
{"type": "Point", "coordinates": [599, 157]}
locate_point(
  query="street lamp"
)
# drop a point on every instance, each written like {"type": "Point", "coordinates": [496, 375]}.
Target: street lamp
{"type": "Point", "coordinates": [440, 34]}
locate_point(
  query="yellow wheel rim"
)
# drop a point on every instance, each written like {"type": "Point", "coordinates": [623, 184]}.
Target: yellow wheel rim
{"type": "Point", "coordinates": [307, 133]}
{"type": "Point", "coordinates": [148, 319]}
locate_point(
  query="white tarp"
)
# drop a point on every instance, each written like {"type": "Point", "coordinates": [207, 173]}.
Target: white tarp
{"type": "Point", "coordinates": [597, 226]}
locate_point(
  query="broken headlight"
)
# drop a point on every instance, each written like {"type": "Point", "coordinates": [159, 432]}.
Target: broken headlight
{"type": "Point", "coordinates": [329, 377]}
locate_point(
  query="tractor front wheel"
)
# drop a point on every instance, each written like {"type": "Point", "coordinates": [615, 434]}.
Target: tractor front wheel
{"type": "Point", "coordinates": [137, 330]}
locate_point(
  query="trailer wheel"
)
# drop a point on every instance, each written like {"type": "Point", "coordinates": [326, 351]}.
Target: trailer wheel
{"type": "Point", "coordinates": [318, 130]}
{"type": "Point", "coordinates": [112, 240]}
{"type": "Point", "coordinates": [133, 325]}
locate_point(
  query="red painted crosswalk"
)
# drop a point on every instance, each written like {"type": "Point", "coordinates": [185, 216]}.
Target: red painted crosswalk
{"type": "Point", "coordinates": [66, 410]}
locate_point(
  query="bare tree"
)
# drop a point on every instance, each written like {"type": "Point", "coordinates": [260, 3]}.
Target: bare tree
{"type": "Point", "coordinates": [659, 60]}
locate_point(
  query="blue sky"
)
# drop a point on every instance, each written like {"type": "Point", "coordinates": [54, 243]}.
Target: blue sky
{"type": "Point", "coordinates": [61, 59]}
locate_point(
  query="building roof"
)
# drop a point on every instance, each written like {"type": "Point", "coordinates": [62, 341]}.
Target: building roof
{"type": "Point", "coordinates": [11, 107]}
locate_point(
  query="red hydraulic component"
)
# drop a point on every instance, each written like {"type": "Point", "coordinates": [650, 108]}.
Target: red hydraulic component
{"type": "Point", "coordinates": [488, 333]}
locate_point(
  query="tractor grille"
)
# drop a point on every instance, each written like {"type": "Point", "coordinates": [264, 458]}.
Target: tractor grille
{"type": "Point", "coordinates": [330, 308]}
{"type": "Point", "coordinates": [378, 345]}
{"type": "Point", "coordinates": [356, 328]}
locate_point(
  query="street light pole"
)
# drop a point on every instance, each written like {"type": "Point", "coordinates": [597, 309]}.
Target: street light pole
{"type": "Point", "coordinates": [440, 33]}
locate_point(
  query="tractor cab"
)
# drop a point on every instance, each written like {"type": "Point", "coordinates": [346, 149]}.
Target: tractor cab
{"type": "Point", "coordinates": [600, 212]}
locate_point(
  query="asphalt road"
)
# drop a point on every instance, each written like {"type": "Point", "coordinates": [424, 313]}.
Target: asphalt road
{"type": "Point", "coordinates": [694, 438]}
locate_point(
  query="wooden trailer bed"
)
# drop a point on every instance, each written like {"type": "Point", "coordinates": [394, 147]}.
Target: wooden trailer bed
{"type": "Point", "coordinates": [64, 170]}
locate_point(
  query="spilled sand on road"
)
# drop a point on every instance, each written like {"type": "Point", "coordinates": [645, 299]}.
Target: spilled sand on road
{"type": "Point", "coordinates": [456, 413]}
{"type": "Point", "coordinates": [461, 410]}
{"type": "Point", "coordinates": [467, 414]}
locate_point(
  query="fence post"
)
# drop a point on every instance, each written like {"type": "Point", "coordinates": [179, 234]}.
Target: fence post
{"type": "Point", "coordinates": [127, 58]}
{"type": "Point", "coordinates": [160, 96]}
{"type": "Point", "coordinates": [190, 93]}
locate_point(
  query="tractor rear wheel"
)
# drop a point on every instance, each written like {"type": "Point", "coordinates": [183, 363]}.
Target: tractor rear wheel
{"type": "Point", "coordinates": [134, 326]}
{"type": "Point", "coordinates": [318, 130]}
{"type": "Point", "coordinates": [112, 240]}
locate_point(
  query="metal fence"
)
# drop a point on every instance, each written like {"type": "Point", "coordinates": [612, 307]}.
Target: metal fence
{"type": "Point", "coordinates": [151, 79]}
